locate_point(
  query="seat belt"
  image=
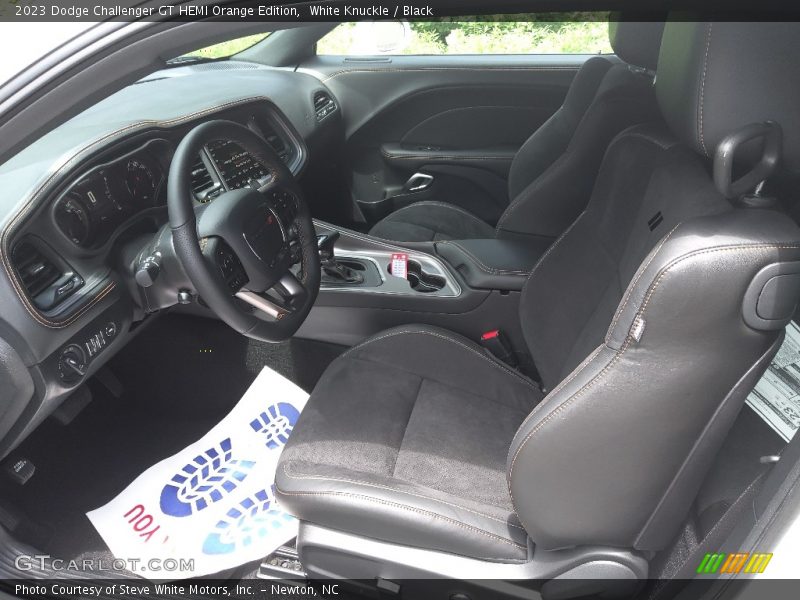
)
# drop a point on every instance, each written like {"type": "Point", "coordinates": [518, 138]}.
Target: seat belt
{"type": "Point", "coordinates": [497, 343]}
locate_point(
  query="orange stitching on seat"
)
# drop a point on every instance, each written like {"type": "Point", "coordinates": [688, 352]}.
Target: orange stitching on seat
{"type": "Point", "coordinates": [519, 376]}
{"type": "Point", "coordinates": [386, 487]}
{"type": "Point", "coordinates": [412, 509]}
{"type": "Point", "coordinates": [702, 91]}
{"type": "Point", "coordinates": [569, 401]}
{"type": "Point", "coordinates": [561, 386]}
{"type": "Point", "coordinates": [633, 283]}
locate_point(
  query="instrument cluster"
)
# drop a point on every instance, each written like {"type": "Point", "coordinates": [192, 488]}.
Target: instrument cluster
{"type": "Point", "coordinates": [95, 206]}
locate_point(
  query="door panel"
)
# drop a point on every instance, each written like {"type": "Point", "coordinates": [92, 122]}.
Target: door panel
{"type": "Point", "coordinates": [457, 118]}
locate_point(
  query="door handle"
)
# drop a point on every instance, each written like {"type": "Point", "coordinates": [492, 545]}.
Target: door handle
{"type": "Point", "coordinates": [418, 182]}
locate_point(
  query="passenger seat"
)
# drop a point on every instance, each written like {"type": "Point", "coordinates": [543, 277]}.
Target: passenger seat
{"type": "Point", "coordinates": [553, 173]}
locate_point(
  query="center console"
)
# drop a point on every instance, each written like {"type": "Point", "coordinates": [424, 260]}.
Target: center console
{"type": "Point", "coordinates": [367, 268]}
{"type": "Point", "coordinates": [466, 286]}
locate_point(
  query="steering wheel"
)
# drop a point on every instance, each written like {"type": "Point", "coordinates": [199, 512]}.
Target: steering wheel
{"type": "Point", "coordinates": [251, 254]}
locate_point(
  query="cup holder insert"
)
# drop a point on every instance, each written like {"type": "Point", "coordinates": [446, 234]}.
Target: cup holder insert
{"type": "Point", "coordinates": [421, 281]}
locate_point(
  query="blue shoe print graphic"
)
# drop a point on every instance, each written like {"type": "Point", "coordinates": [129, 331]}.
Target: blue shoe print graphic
{"type": "Point", "coordinates": [203, 481]}
{"type": "Point", "coordinates": [276, 423]}
{"type": "Point", "coordinates": [254, 518]}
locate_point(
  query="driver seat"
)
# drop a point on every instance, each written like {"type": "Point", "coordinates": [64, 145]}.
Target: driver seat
{"type": "Point", "coordinates": [649, 320]}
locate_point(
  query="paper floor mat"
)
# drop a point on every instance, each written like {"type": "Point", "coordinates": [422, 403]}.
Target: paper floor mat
{"type": "Point", "coordinates": [211, 506]}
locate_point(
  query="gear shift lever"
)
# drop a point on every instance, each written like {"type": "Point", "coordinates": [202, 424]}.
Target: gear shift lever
{"type": "Point", "coordinates": [332, 270]}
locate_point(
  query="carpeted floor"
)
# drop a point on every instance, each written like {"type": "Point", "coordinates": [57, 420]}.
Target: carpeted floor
{"type": "Point", "coordinates": [180, 376]}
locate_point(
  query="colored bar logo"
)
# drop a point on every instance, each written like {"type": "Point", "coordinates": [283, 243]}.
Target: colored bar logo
{"type": "Point", "coordinates": [734, 563]}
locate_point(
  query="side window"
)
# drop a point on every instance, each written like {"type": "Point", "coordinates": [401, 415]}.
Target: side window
{"type": "Point", "coordinates": [467, 37]}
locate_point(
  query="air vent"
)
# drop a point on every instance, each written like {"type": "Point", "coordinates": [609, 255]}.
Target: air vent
{"type": "Point", "coordinates": [203, 186]}
{"type": "Point", "coordinates": [36, 271]}
{"type": "Point", "coordinates": [279, 146]}
{"type": "Point", "coordinates": [46, 283]}
{"type": "Point", "coordinates": [323, 105]}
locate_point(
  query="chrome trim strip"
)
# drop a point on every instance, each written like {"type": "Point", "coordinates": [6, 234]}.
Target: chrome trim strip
{"type": "Point", "coordinates": [262, 304]}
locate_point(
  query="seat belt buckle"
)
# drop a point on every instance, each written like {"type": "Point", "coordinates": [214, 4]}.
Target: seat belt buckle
{"type": "Point", "coordinates": [497, 343]}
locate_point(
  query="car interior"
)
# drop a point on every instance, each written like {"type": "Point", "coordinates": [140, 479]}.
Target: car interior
{"type": "Point", "coordinates": [603, 254]}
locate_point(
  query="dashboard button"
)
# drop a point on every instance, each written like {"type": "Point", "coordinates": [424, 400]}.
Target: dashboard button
{"type": "Point", "coordinates": [65, 289]}
{"type": "Point", "coordinates": [72, 364]}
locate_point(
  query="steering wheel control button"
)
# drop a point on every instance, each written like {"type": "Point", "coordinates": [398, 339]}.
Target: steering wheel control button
{"type": "Point", "coordinates": [285, 205]}
{"type": "Point", "coordinates": [230, 267]}
{"type": "Point", "coordinates": [265, 235]}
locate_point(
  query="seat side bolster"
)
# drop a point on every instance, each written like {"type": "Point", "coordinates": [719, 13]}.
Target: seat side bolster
{"type": "Point", "coordinates": [734, 233]}
{"type": "Point", "coordinates": [399, 512]}
{"type": "Point", "coordinates": [517, 390]}
{"type": "Point", "coordinates": [622, 427]}
{"type": "Point", "coordinates": [430, 220]}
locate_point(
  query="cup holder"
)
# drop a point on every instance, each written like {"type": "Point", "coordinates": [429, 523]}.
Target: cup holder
{"type": "Point", "coordinates": [421, 281]}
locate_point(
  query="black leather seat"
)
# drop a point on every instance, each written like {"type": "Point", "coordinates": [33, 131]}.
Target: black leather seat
{"type": "Point", "coordinates": [552, 174]}
{"type": "Point", "coordinates": [380, 450]}
{"type": "Point", "coordinates": [644, 320]}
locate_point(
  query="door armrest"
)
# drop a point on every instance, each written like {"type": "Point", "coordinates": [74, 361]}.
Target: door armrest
{"type": "Point", "coordinates": [410, 157]}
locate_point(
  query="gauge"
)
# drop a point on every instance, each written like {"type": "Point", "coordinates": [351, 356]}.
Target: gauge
{"type": "Point", "coordinates": [140, 181]}
{"type": "Point", "coordinates": [109, 194]}
{"type": "Point", "coordinates": [73, 219]}
{"type": "Point", "coordinates": [94, 192]}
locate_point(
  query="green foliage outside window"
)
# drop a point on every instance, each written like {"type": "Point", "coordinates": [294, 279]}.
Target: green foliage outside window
{"type": "Point", "coordinates": [536, 34]}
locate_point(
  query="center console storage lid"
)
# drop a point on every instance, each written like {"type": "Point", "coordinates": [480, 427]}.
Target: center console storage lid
{"type": "Point", "coordinates": [493, 264]}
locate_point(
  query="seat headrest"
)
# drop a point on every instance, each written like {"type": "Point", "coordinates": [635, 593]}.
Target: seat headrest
{"type": "Point", "coordinates": [635, 42]}
{"type": "Point", "coordinates": [715, 78]}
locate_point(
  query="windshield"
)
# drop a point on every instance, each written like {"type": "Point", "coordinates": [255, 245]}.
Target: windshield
{"type": "Point", "coordinates": [22, 44]}
{"type": "Point", "coordinates": [223, 49]}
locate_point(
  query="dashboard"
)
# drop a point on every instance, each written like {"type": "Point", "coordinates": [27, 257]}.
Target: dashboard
{"type": "Point", "coordinates": [92, 209]}
{"type": "Point", "coordinates": [106, 197]}
{"type": "Point", "coordinates": [81, 203]}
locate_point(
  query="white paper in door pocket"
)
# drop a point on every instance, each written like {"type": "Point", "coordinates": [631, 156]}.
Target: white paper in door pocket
{"type": "Point", "coordinates": [212, 503]}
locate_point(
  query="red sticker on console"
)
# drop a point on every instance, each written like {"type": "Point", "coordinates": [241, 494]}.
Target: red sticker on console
{"type": "Point", "coordinates": [400, 265]}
